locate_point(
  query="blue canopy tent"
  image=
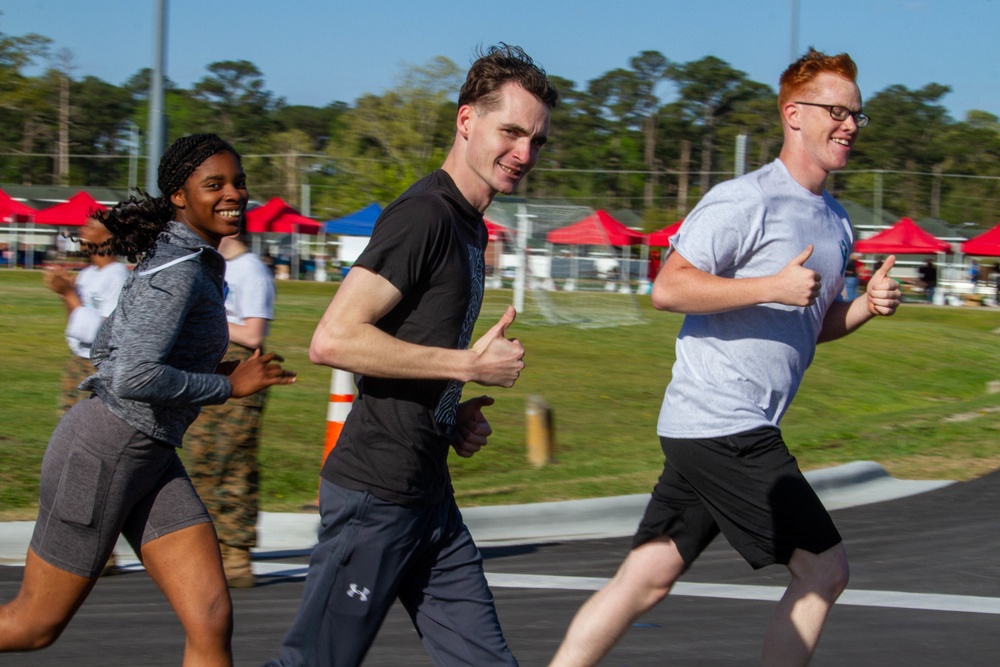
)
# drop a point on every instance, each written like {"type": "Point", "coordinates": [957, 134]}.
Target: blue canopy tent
{"type": "Point", "coordinates": [359, 223]}
{"type": "Point", "coordinates": [355, 231]}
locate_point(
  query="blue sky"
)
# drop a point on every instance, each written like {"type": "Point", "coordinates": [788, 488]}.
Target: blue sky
{"type": "Point", "coordinates": [318, 51]}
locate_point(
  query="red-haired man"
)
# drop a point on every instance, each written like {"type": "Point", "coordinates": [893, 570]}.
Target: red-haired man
{"type": "Point", "coordinates": [756, 269]}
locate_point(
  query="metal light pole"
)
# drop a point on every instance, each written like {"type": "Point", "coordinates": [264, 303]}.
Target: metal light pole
{"type": "Point", "coordinates": [795, 31]}
{"type": "Point", "coordinates": [157, 119]}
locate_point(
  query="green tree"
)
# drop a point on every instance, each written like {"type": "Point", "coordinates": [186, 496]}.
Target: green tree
{"type": "Point", "coordinates": [563, 164]}
{"type": "Point", "coordinates": [973, 151]}
{"type": "Point", "coordinates": [709, 91]}
{"type": "Point", "coordinates": [320, 124]}
{"type": "Point", "coordinates": [651, 68]}
{"type": "Point", "coordinates": [235, 91]}
{"type": "Point", "coordinates": [137, 85]}
{"type": "Point", "coordinates": [282, 166]}
{"type": "Point", "coordinates": [675, 124]}
{"type": "Point", "coordinates": [907, 135]}
{"type": "Point", "coordinates": [100, 113]}
{"type": "Point", "coordinates": [390, 140]}
{"type": "Point", "coordinates": [25, 109]}
{"type": "Point", "coordinates": [758, 118]}
{"type": "Point", "coordinates": [615, 99]}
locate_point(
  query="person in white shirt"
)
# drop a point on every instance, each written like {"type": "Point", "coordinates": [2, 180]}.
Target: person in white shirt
{"type": "Point", "coordinates": [220, 448]}
{"type": "Point", "coordinates": [89, 296]}
{"type": "Point", "coordinates": [756, 269]}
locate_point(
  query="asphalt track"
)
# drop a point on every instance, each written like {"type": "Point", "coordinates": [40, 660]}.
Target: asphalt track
{"type": "Point", "coordinates": [925, 590]}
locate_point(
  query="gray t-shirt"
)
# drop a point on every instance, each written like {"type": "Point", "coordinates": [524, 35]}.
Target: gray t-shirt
{"type": "Point", "coordinates": [740, 369]}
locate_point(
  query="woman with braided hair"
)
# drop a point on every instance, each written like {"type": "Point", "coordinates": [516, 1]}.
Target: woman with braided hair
{"type": "Point", "coordinates": [111, 466]}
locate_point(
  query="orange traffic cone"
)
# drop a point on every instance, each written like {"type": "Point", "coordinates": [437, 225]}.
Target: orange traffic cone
{"type": "Point", "coordinates": [341, 400]}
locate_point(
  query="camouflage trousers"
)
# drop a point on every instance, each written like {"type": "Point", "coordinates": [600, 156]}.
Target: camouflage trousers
{"type": "Point", "coordinates": [220, 454]}
{"type": "Point", "coordinates": [77, 370]}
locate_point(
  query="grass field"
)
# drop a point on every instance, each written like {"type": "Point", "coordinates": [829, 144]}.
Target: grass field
{"type": "Point", "coordinates": [909, 392]}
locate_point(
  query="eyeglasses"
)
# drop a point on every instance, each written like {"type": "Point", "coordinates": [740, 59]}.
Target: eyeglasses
{"type": "Point", "coordinates": [841, 113]}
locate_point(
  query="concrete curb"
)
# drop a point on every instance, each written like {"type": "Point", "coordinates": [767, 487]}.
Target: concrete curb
{"type": "Point", "coordinates": [846, 475]}
{"type": "Point", "coordinates": [863, 483]}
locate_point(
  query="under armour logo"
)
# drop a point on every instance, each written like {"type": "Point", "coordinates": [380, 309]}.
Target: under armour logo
{"type": "Point", "coordinates": [362, 594]}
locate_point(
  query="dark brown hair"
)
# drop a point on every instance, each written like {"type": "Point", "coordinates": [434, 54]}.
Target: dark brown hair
{"type": "Point", "coordinates": [502, 64]}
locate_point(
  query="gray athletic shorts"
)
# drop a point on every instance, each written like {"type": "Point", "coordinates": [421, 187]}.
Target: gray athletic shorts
{"type": "Point", "coordinates": [101, 478]}
{"type": "Point", "coordinates": [748, 485]}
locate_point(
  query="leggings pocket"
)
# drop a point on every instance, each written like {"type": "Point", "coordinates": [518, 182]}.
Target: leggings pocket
{"type": "Point", "coordinates": [79, 489]}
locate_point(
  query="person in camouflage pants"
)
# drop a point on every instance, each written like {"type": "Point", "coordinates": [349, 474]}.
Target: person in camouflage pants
{"type": "Point", "coordinates": [221, 459]}
{"type": "Point", "coordinates": [220, 447]}
{"type": "Point", "coordinates": [77, 370]}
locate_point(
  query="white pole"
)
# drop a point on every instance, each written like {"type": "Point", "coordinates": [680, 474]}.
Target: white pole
{"type": "Point", "coordinates": [523, 230]}
{"type": "Point", "coordinates": [626, 286]}
{"type": "Point", "coordinates": [644, 285]}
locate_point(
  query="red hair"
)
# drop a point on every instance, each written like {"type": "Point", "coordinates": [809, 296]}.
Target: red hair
{"type": "Point", "coordinates": [805, 70]}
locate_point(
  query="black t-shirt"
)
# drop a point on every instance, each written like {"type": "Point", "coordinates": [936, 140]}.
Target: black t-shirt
{"type": "Point", "coordinates": [429, 244]}
{"type": "Point", "coordinates": [928, 274]}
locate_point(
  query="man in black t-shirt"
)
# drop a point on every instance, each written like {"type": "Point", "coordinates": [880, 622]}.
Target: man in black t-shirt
{"type": "Point", "coordinates": [402, 322]}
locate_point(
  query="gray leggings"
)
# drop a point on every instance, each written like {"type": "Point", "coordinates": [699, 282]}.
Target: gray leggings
{"type": "Point", "coordinates": [102, 478]}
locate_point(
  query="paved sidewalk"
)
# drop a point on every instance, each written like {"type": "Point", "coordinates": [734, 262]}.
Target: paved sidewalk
{"type": "Point", "coordinates": [857, 483]}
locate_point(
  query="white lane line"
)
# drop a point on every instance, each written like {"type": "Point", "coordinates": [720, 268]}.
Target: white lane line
{"type": "Point", "coordinates": [927, 601]}
{"type": "Point", "coordinates": [858, 598]}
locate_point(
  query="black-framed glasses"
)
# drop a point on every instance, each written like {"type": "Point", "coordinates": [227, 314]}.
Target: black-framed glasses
{"type": "Point", "coordinates": [839, 113]}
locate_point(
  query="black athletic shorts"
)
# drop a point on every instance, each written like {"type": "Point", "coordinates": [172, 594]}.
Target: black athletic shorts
{"type": "Point", "coordinates": [747, 485]}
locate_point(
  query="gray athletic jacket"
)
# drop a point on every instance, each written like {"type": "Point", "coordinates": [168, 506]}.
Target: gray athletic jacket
{"type": "Point", "coordinates": [157, 352]}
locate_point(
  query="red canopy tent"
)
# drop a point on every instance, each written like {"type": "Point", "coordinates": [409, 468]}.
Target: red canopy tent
{"type": "Point", "coordinates": [10, 208]}
{"type": "Point", "coordinates": [277, 216]}
{"type": "Point", "coordinates": [75, 212]}
{"type": "Point", "coordinates": [596, 229]}
{"type": "Point", "coordinates": [986, 244]}
{"type": "Point", "coordinates": [291, 222]}
{"type": "Point", "coordinates": [662, 237]}
{"type": "Point", "coordinates": [498, 238]}
{"type": "Point", "coordinates": [498, 232]}
{"type": "Point", "coordinates": [903, 238]}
